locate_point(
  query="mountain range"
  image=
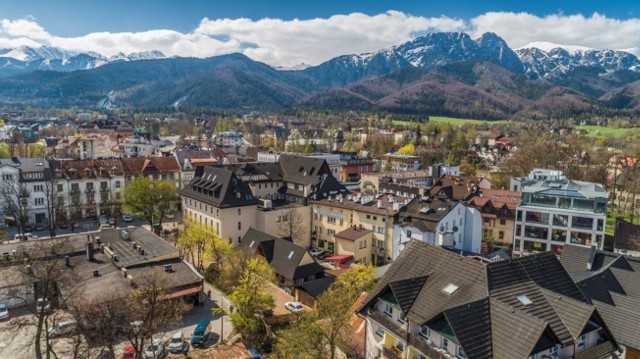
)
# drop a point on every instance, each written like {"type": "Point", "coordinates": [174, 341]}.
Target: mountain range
{"type": "Point", "coordinates": [436, 74]}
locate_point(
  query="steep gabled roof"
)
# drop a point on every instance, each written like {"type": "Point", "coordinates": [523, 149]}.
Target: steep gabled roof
{"type": "Point", "coordinates": [514, 334]}
{"type": "Point", "coordinates": [471, 325]}
{"type": "Point", "coordinates": [218, 187]}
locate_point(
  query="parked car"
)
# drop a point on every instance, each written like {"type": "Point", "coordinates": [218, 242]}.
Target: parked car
{"type": "Point", "coordinates": [201, 333]}
{"type": "Point", "coordinates": [129, 353]}
{"type": "Point", "coordinates": [4, 311]}
{"type": "Point", "coordinates": [170, 215]}
{"type": "Point", "coordinates": [126, 218]}
{"type": "Point", "coordinates": [62, 329]}
{"type": "Point", "coordinates": [155, 350]}
{"type": "Point", "coordinates": [40, 227]}
{"type": "Point", "coordinates": [295, 307]}
{"type": "Point", "coordinates": [102, 219]}
{"type": "Point", "coordinates": [105, 227]}
{"type": "Point", "coordinates": [43, 305]}
{"type": "Point", "coordinates": [24, 236]}
{"type": "Point", "coordinates": [315, 252]}
{"type": "Point", "coordinates": [111, 221]}
{"type": "Point", "coordinates": [63, 225]}
{"type": "Point", "coordinates": [176, 343]}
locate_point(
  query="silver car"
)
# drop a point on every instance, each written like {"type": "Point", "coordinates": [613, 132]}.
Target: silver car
{"type": "Point", "coordinates": [155, 350]}
{"type": "Point", "coordinates": [4, 311]}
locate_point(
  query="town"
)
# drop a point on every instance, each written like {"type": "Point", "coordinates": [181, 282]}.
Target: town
{"type": "Point", "coordinates": [298, 237]}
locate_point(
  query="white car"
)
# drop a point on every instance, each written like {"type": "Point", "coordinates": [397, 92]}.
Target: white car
{"type": "Point", "coordinates": [127, 218]}
{"type": "Point", "coordinates": [316, 252]}
{"type": "Point", "coordinates": [4, 312]}
{"type": "Point", "coordinates": [155, 350]}
{"type": "Point", "coordinates": [295, 307]}
{"type": "Point", "coordinates": [62, 329]}
{"type": "Point", "coordinates": [176, 345]}
{"type": "Point", "coordinates": [170, 215]}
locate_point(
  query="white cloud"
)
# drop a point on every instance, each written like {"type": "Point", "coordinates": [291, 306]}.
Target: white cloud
{"type": "Point", "coordinates": [596, 31]}
{"type": "Point", "coordinates": [291, 42]}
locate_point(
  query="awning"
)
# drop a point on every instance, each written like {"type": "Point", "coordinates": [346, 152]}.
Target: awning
{"type": "Point", "coordinates": [339, 258]}
{"type": "Point", "coordinates": [183, 292]}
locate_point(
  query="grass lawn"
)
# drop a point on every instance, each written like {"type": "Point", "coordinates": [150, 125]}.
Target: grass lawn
{"type": "Point", "coordinates": [600, 131]}
{"type": "Point", "coordinates": [449, 120]}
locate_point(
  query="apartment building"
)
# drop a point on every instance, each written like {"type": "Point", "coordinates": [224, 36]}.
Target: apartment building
{"type": "Point", "coordinates": [188, 160]}
{"type": "Point", "coordinates": [498, 209]}
{"type": "Point", "coordinates": [555, 210]}
{"type": "Point", "coordinates": [157, 168]}
{"type": "Point", "coordinates": [90, 187]}
{"type": "Point", "coordinates": [434, 303]}
{"type": "Point", "coordinates": [398, 162]}
{"type": "Point", "coordinates": [438, 221]}
{"type": "Point", "coordinates": [23, 189]}
{"type": "Point", "coordinates": [357, 225]}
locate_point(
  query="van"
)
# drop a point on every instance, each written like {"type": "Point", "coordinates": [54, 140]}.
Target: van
{"type": "Point", "coordinates": [201, 333]}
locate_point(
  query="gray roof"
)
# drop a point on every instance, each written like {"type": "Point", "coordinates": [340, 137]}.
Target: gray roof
{"type": "Point", "coordinates": [316, 287]}
{"type": "Point", "coordinates": [284, 256]}
{"type": "Point", "coordinates": [218, 187]}
{"type": "Point", "coordinates": [484, 311]}
{"type": "Point", "coordinates": [26, 164]}
{"type": "Point", "coordinates": [426, 212]}
{"type": "Point", "coordinates": [612, 284]}
{"type": "Point", "coordinates": [154, 246]}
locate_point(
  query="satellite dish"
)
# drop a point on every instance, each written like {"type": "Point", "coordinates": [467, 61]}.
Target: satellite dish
{"type": "Point", "coordinates": [441, 228]}
{"type": "Point", "coordinates": [455, 229]}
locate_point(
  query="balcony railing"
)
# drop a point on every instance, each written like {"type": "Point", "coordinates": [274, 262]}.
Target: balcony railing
{"type": "Point", "coordinates": [388, 323]}
{"type": "Point", "coordinates": [598, 351]}
{"type": "Point", "coordinates": [90, 190]}
{"type": "Point", "coordinates": [422, 344]}
{"type": "Point", "coordinates": [391, 353]}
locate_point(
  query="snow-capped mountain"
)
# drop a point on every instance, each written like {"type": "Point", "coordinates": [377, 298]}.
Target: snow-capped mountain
{"type": "Point", "coordinates": [26, 59]}
{"type": "Point", "coordinates": [544, 60]}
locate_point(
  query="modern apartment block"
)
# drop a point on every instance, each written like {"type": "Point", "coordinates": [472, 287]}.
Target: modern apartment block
{"type": "Point", "coordinates": [434, 303]}
{"type": "Point", "coordinates": [555, 210]}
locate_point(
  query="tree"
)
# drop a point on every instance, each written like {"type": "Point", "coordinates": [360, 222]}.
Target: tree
{"type": "Point", "coordinates": [327, 327]}
{"type": "Point", "coordinates": [54, 202]}
{"type": "Point", "coordinates": [408, 149]}
{"type": "Point", "coordinates": [201, 243]}
{"type": "Point", "coordinates": [151, 198]}
{"type": "Point", "coordinates": [292, 224]}
{"type": "Point", "coordinates": [15, 198]}
{"type": "Point", "coordinates": [251, 297]}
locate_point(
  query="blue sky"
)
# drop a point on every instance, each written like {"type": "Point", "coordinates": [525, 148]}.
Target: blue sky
{"type": "Point", "coordinates": [323, 29]}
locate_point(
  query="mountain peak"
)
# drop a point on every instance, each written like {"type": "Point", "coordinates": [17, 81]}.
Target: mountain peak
{"type": "Point", "coordinates": [550, 46]}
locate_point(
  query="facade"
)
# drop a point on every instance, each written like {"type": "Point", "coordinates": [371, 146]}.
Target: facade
{"type": "Point", "coordinates": [157, 168]}
{"type": "Point", "coordinates": [498, 209]}
{"type": "Point", "coordinates": [188, 160]}
{"type": "Point", "coordinates": [91, 187]}
{"type": "Point", "coordinates": [398, 162]}
{"type": "Point", "coordinates": [353, 166]}
{"type": "Point", "coordinates": [438, 221]}
{"type": "Point", "coordinates": [357, 225]}
{"type": "Point", "coordinates": [24, 181]}
{"type": "Point", "coordinates": [228, 139]}
{"type": "Point", "coordinates": [434, 303]}
{"type": "Point", "coordinates": [555, 210]}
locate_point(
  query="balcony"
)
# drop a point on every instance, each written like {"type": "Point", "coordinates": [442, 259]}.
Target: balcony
{"type": "Point", "coordinates": [391, 353]}
{"type": "Point", "coordinates": [90, 190]}
{"type": "Point", "coordinates": [422, 344]}
{"type": "Point", "coordinates": [599, 351]}
{"type": "Point", "coordinates": [74, 191]}
{"type": "Point", "coordinates": [388, 323]}
{"type": "Point", "coordinates": [104, 189]}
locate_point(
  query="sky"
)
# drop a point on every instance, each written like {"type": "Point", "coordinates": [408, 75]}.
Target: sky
{"type": "Point", "coordinates": [288, 33]}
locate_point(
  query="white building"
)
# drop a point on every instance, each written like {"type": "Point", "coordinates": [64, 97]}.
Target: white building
{"type": "Point", "coordinates": [438, 221]}
{"type": "Point", "coordinates": [228, 139]}
{"type": "Point", "coordinates": [555, 210]}
{"type": "Point", "coordinates": [24, 181]}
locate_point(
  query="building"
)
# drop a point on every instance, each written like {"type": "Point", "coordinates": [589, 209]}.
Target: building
{"type": "Point", "coordinates": [612, 283]}
{"type": "Point", "coordinates": [357, 225]}
{"type": "Point", "coordinates": [91, 187]}
{"type": "Point", "coordinates": [232, 139]}
{"type": "Point", "coordinates": [156, 168]}
{"type": "Point", "coordinates": [188, 160]}
{"type": "Point", "coordinates": [23, 190]}
{"type": "Point", "coordinates": [434, 303]}
{"type": "Point", "coordinates": [398, 162]}
{"type": "Point", "coordinates": [332, 159]}
{"type": "Point", "coordinates": [292, 263]}
{"type": "Point", "coordinates": [218, 198]}
{"type": "Point", "coordinates": [498, 209]}
{"type": "Point", "coordinates": [352, 167]}
{"type": "Point", "coordinates": [140, 145]}
{"type": "Point", "coordinates": [437, 221]}
{"type": "Point", "coordinates": [555, 210]}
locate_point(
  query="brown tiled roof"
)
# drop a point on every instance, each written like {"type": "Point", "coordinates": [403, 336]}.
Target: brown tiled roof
{"type": "Point", "coordinates": [135, 166]}
{"type": "Point", "coordinates": [76, 169]}
{"type": "Point", "coordinates": [352, 234]}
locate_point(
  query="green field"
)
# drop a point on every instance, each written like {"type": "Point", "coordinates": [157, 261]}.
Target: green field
{"type": "Point", "coordinates": [449, 120]}
{"type": "Point", "coordinates": [600, 131]}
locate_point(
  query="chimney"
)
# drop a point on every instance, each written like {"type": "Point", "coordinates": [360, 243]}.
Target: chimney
{"type": "Point", "coordinates": [67, 261]}
{"type": "Point", "coordinates": [96, 273]}
{"type": "Point", "coordinates": [89, 248]}
{"type": "Point", "coordinates": [592, 257]}
{"type": "Point", "coordinates": [168, 268]}
{"type": "Point", "coordinates": [124, 271]}
{"type": "Point", "coordinates": [379, 203]}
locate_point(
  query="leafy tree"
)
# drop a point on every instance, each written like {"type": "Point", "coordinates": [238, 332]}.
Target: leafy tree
{"type": "Point", "coordinates": [151, 198]}
{"type": "Point", "coordinates": [251, 297]}
{"type": "Point", "coordinates": [4, 150]}
{"type": "Point", "coordinates": [201, 243]}
{"type": "Point", "coordinates": [408, 149]}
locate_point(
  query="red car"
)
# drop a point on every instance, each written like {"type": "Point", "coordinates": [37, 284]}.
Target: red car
{"type": "Point", "coordinates": [130, 353]}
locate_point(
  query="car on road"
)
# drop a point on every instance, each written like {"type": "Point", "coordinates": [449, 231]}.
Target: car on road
{"type": "Point", "coordinates": [155, 350]}
{"type": "Point", "coordinates": [295, 307]}
{"type": "Point", "coordinates": [201, 333]}
{"type": "Point", "coordinates": [24, 236]}
{"type": "Point", "coordinates": [61, 329]}
{"type": "Point", "coordinates": [315, 252]}
{"type": "Point", "coordinates": [43, 305]}
{"type": "Point", "coordinates": [111, 221]}
{"type": "Point", "coordinates": [129, 353]}
{"type": "Point", "coordinates": [176, 343]}
{"type": "Point", "coordinates": [4, 311]}
{"type": "Point", "coordinates": [126, 218]}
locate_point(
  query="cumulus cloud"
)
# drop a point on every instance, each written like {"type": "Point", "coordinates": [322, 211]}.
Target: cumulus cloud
{"type": "Point", "coordinates": [312, 41]}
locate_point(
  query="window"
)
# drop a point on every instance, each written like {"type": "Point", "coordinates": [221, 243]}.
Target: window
{"type": "Point", "coordinates": [60, 188]}
{"type": "Point", "coordinates": [502, 221]}
{"type": "Point", "coordinates": [450, 288]}
{"type": "Point", "coordinates": [368, 216]}
{"type": "Point", "coordinates": [424, 331]}
{"type": "Point", "coordinates": [460, 353]}
{"type": "Point", "coordinates": [331, 232]}
{"type": "Point", "coordinates": [39, 201]}
{"type": "Point", "coordinates": [501, 235]}
{"type": "Point", "coordinates": [388, 309]}
{"type": "Point", "coordinates": [380, 332]}
{"type": "Point", "coordinates": [554, 351]}
{"type": "Point", "coordinates": [408, 233]}
{"type": "Point", "coordinates": [239, 225]}
{"type": "Point", "coordinates": [7, 177]}
{"type": "Point", "coordinates": [239, 211]}
{"type": "Point", "coordinates": [445, 344]}
{"type": "Point", "coordinates": [117, 184]}
{"type": "Point", "coordinates": [38, 188]}
{"type": "Point", "coordinates": [524, 299]}
{"type": "Point", "coordinates": [582, 340]}
{"type": "Point", "coordinates": [402, 319]}
{"type": "Point", "coordinates": [381, 229]}
{"type": "Point", "coordinates": [331, 220]}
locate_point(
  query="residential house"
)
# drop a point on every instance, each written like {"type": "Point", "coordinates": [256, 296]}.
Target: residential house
{"type": "Point", "coordinates": [498, 209]}
{"type": "Point", "coordinates": [612, 282]}
{"type": "Point", "coordinates": [292, 263]}
{"type": "Point", "coordinates": [188, 160]}
{"type": "Point", "coordinates": [91, 187]}
{"type": "Point", "coordinates": [437, 221]}
{"type": "Point", "coordinates": [157, 168]}
{"type": "Point", "coordinates": [434, 303]}
{"type": "Point", "coordinates": [398, 162]}
{"type": "Point", "coordinates": [24, 181]}
{"type": "Point", "coordinates": [555, 210]}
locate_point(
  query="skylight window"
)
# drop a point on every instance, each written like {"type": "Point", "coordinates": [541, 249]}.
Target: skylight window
{"type": "Point", "coordinates": [524, 299]}
{"type": "Point", "coordinates": [252, 243]}
{"type": "Point", "coordinates": [450, 288]}
{"type": "Point", "coordinates": [290, 254]}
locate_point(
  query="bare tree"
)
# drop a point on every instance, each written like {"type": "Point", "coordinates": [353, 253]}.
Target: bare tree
{"type": "Point", "coordinates": [15, 196]}
{"type": "Point", "coordinates": [292, 224]}
{"type": "Point", "coordinates": [54, 201]}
